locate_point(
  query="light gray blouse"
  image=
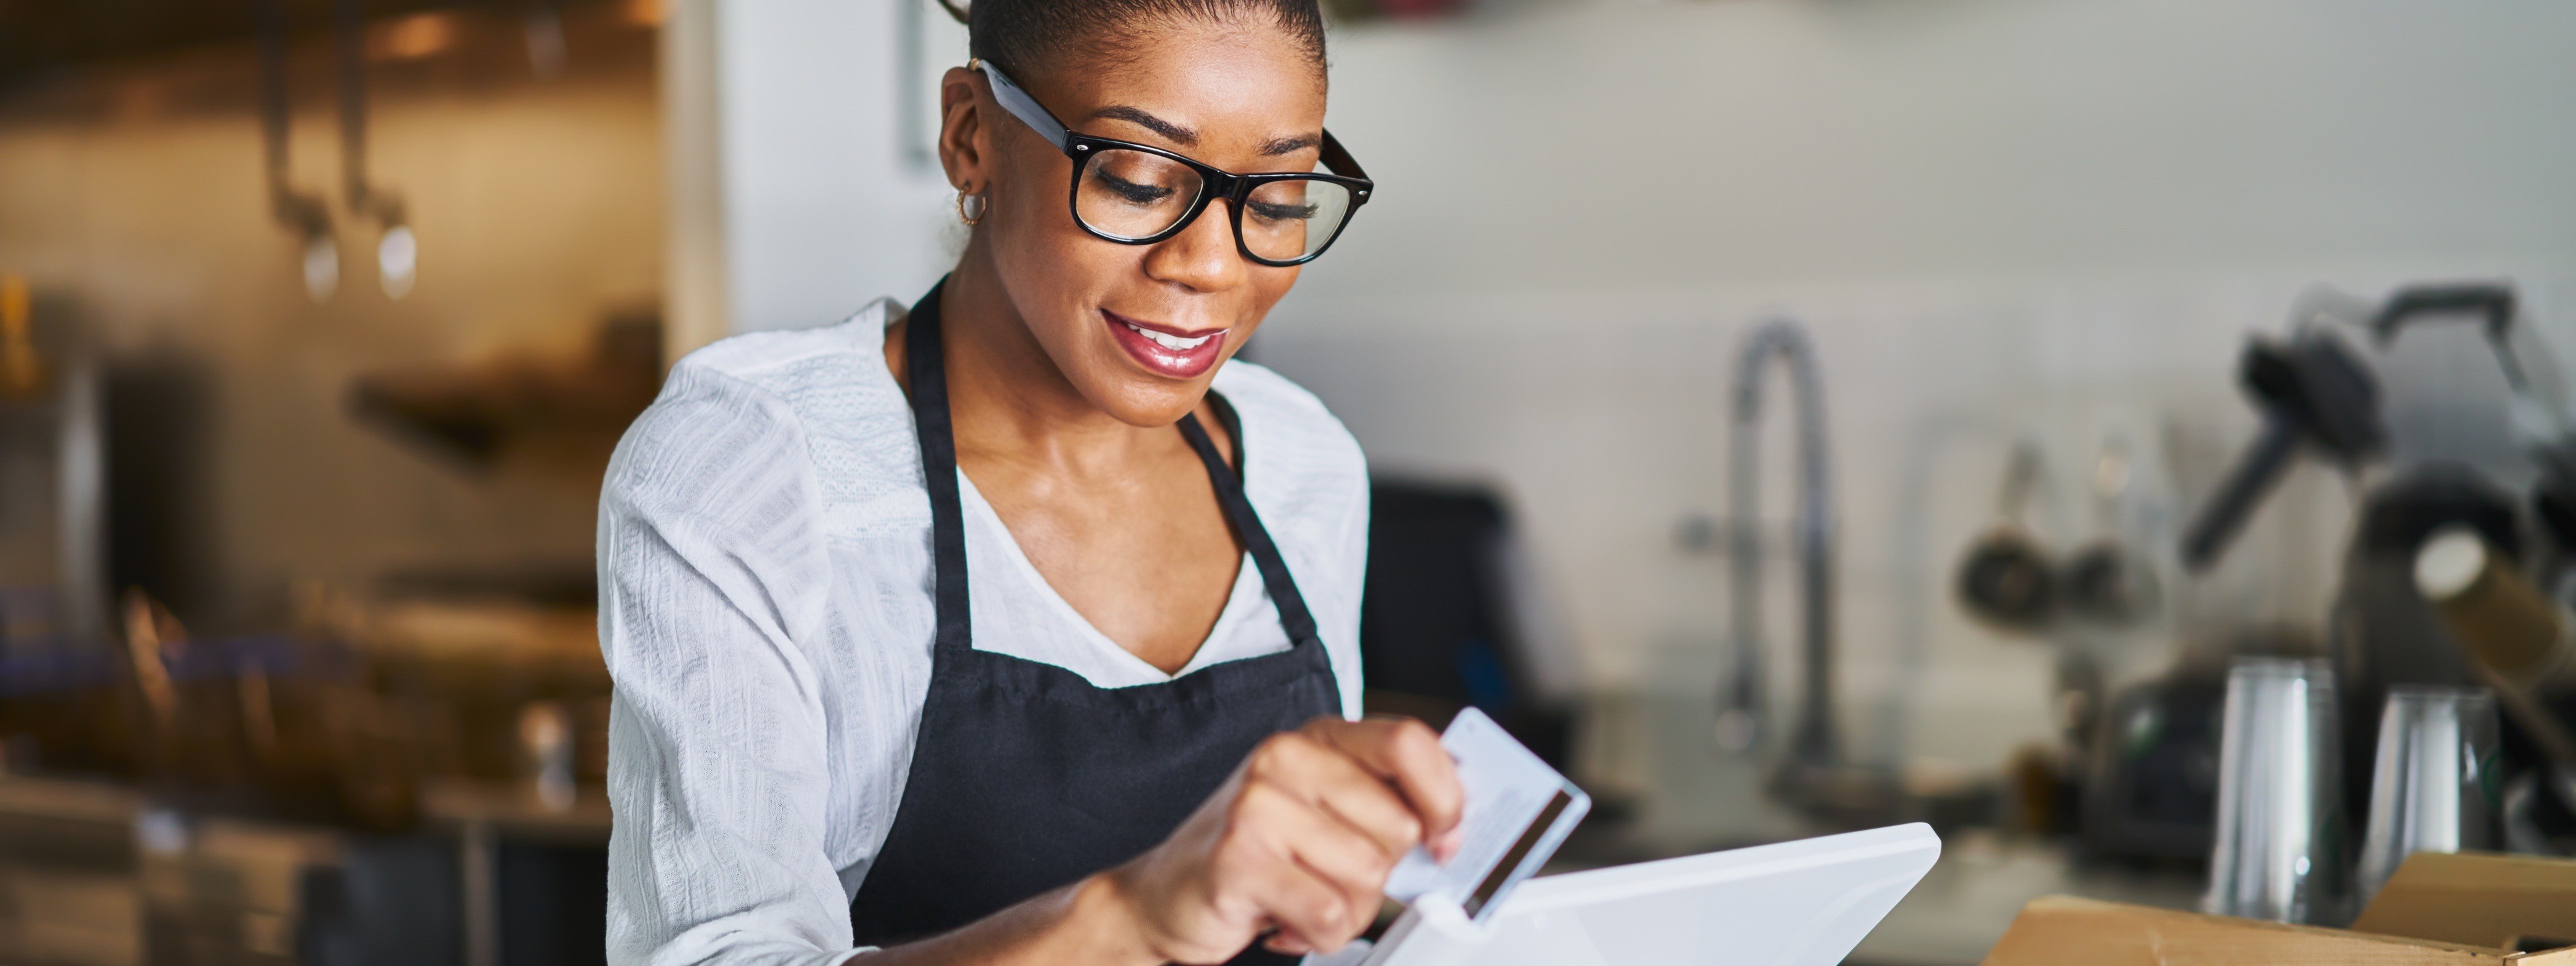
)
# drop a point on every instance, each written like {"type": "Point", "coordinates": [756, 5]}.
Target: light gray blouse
{"type": "Point", "coordinates": [765, 610]}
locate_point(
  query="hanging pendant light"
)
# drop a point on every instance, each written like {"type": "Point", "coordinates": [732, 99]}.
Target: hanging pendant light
{"type": "Point", "coordinates": [397, 249]}
{"type": "Point", "coordinates": [321, 267]}
{"type": "Point", "coordinates": [303, 214]}
{"type": "Point", "coordinates": [397, 258]}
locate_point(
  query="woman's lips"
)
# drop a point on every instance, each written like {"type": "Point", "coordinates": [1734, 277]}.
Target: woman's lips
{"type": "Point", "coordinates": [1172, 352]}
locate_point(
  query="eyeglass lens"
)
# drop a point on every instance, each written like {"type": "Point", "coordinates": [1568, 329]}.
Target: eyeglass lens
{"type": "Point", "coordinates": [1133, 194]}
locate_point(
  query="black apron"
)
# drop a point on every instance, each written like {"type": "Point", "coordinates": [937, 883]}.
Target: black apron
{"type": "Point", "coordinates": [1025, 777]}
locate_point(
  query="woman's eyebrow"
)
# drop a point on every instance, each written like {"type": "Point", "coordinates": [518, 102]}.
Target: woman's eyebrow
{"type": "Point", "coordinates": [1289, 145]}
{"type": "Point", "coordinates": [1190, 137]}
{"type": "Point", "coordinates": [1139, 117]}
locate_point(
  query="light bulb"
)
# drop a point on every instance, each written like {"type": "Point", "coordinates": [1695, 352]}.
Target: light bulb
{"type": "Point", "coordinates": [397, 259]}
{"type": "Point", "coordinates": [321, 267]}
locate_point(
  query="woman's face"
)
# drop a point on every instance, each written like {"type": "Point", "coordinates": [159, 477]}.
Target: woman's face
{"type": "Point", "coordinates": [1244, 98]}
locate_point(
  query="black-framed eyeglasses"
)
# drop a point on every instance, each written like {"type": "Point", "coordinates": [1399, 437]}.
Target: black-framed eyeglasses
{"type": "Point", "coordinates": [1136, 194]}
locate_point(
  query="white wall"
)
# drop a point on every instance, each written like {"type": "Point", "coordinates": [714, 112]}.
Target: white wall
{"type": "Point", "coordinates": [790, 152]}
{"type": "Point", "coordinates": [2001, 217]}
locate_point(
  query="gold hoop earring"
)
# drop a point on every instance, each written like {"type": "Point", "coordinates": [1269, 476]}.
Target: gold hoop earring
{"type": "Point", "coordinates": [971, 215]}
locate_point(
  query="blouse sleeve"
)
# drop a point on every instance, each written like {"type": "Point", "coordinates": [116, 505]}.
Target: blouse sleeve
{"type": "Point", "coordinates": [712, 570]}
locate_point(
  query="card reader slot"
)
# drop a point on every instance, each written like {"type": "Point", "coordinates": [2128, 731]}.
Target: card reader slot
{"type": "Point", "coordinates": [1502, 871]}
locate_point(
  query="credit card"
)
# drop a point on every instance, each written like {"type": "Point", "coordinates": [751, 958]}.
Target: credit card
{"type": "Point", "coordinates": [1518, 811]}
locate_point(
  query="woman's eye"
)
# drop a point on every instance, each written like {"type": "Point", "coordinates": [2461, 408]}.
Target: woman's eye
{"type": "Point", "coordinates": [1273, 211]}
{"type": "Point", "coordinates": [1133, 193]}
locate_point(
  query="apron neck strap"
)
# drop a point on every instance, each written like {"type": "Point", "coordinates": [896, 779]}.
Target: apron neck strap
{"type": "Point", "coordinates": [925, 365]}
{"type": "Point", "coordinates": [1293, 616]}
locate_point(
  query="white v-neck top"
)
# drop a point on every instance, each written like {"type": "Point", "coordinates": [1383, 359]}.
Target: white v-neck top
{"type": "Point", "coordinates": [765, 609]}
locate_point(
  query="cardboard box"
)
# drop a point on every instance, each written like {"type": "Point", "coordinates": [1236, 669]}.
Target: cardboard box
{"type": "Point", "coordinates": [2478, 898]}
{"type": "Point", "coordinates": [2067, 931]}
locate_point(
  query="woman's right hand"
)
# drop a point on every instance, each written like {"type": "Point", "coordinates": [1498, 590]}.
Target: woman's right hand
{"type": "Point", "coordinates": [1297, 844]}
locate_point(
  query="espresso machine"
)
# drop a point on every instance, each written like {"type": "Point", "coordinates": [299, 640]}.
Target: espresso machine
{"type": "Point", "coordinates": [2444, 411]}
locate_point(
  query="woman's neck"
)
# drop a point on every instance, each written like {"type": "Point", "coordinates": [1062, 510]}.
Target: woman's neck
{"type": "Point", "coordinates": [1007, 398]}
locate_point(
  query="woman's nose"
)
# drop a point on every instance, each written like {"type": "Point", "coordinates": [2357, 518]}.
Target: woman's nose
{"type": "Point", "coordinates": [1202, 257]}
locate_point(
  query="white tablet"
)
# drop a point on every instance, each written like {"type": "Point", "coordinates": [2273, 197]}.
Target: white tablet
{"type": "Point", "coordinates": [1803, 903]}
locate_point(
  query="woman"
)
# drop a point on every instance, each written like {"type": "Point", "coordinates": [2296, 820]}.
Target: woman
{"type": "Point", "coordinates": [1127, 732]}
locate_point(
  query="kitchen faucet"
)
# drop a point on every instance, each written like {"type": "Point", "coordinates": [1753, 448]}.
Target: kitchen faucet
{"type": "Point", "coordinates": [1742, 721]}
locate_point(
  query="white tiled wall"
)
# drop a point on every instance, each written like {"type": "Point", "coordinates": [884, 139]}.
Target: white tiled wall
{"type": "Point", "coordinates": [1603, 415]}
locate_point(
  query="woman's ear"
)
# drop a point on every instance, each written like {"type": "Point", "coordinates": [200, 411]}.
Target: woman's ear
{"type": "Point", "coordinates": [965, 149]}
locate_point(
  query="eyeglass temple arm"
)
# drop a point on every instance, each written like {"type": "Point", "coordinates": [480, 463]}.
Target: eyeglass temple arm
{"type": "Point", "coordinates": [1027, 109]}
{"type": "Point", "coordinates": [1338, 159]}
{"type": "Point", "coordinates": [1024, 107]}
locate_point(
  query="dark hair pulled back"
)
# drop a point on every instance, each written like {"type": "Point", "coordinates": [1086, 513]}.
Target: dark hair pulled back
{"type": "Point", "coordinates": [1029, 35]}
